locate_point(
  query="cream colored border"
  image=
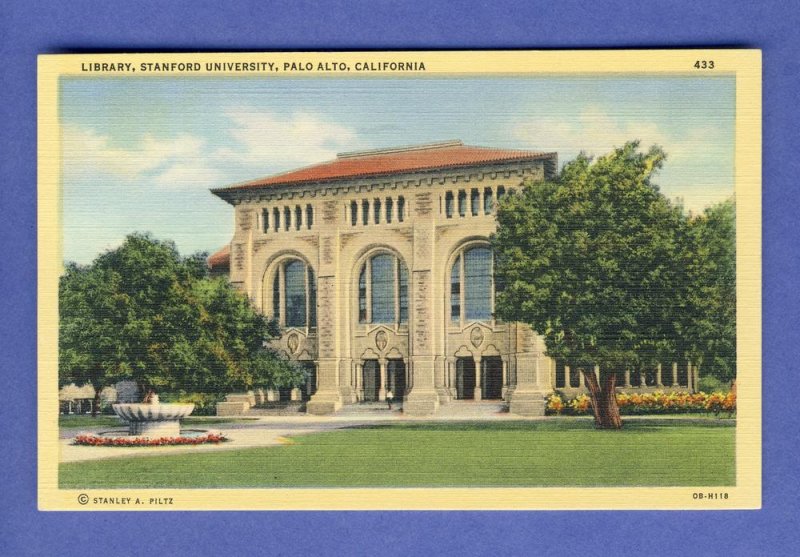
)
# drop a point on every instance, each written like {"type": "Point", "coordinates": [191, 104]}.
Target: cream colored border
{"type": "Point", "coordinates": [744, 64]}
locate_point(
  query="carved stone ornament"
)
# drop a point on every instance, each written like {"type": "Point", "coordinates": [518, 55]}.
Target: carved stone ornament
{"type": "Point", "coordinates": [381, 340]}
{"type": "Point", "coordinates": [293, 342]}
{"type": "Point", "coordinates": [476, 336]}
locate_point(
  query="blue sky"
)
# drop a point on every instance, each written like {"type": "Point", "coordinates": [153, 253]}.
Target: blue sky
{"type": "Point", "coordinates": [141, 154]}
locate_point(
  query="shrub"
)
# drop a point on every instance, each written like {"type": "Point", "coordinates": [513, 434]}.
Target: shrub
{"type": "Point", "coordinates": [205, 404]}
{"type": "Point", "coordinates": [555, 405]}
{"type": "Point", "coordinates": [657, 402]}
{"type": "Point", "coordinates": [710, 384]}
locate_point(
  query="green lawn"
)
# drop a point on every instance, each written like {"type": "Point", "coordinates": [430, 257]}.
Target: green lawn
{"type": "Point", "coordinates": [86, 421]}
{"type": "Point", "coordinates": [563, 452]}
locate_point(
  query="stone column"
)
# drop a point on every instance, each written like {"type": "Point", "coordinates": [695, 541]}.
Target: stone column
{"type": "Point", "coordinates": [359, 382]}
{"type": "Point", "coordinates": [566, 376]}
{"type": "Point", "coordinates": [504, 365]}
{"type": "Point", "coordinates": [675, 375]}
{"type": "Point", "coordinates": [531, 365]}
{"type": "Point", "coordinates": [627, 378]}
{"type": "Point", "coordinates": [478, 377]}
{"type": "Point", "coordinates": [424, 322]}
{"type": "Point", "coordinates": [658, 376]}
{"type": "Point", "coordinates": [451, 377]}
{"type": "Point", "coordinates": [382, 389]}
{"type": "Point", "coordinates": [328, 397]}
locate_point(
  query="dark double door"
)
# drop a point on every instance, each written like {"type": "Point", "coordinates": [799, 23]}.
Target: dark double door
{"type": "Point", "coordinates": [395, 379]}
{"type": "Point", "coordinates": [491, 378]}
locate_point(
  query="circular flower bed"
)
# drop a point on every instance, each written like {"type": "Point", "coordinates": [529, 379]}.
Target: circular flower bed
{"type": "Point", "coordinates": [128, 441]}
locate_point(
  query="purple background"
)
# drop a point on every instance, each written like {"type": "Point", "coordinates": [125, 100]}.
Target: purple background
{"type": "Point", "coordinates": [31, 27]}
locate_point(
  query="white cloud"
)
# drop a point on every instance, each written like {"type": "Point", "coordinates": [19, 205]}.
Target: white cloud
{"type": "Point", "coordinates": [597, 132]}
{"type": "Point", "coordinates": [266, 139]}
{"type": "Point", "coordinates": [174, 162]}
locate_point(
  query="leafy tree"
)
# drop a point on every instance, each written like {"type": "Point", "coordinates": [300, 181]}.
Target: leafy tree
{"type": "Point", "coordinates": [594, 261]}
{"type": "Point", "coordinates": [710, 323]}
{"type": "Point", "coordinates": [91, 312]}
{"type": "Point", "coordinates": [143, 312]}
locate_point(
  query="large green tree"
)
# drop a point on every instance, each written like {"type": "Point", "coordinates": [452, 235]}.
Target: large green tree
{"type": "Point", "coordinates": [595, 262]}
{"type": "Point", "coordinates": [144, 313]}
{"type": "Point", "coordinates": [710, 324]}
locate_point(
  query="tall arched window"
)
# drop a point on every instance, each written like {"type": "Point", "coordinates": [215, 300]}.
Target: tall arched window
{"type": "Point", "coordinates": [472, 285]}
{"type": "Point", "coordinates": [294, 294]}
{"type": "Point", "coordinates": [383, 290]}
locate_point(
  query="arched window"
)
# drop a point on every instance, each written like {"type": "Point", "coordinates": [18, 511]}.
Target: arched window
{"type": "Point", "coordinates": [488, 202]}
{"type": "Point", "coordinates": [401, 208]}
{"type": "Point", "coordinates": [462, 203]}
{"type": "Point", "coordinates": [475, 201]}
{"type": "Point", "coordinates": [383, 290]}
{"type": "Point", "coordinates": [376, 205]}
{"type": "Point", "coordinates": [389, 210]}
{"type": "Point", "coordinates": [276, 219]}
{"type": "Point", "coordinates": [309, 216]}
{"type": "Point", "coordinates": [365, 212]}
{"type": "Point", "coordinates": [472, 286]}
{"type": "Point", "coordinates": [353, 213]}
{"type": "Point", "coordinates": [448, 205]}
{"type": "Point", "coordinates": [265, 220]}
{"type": "Point", "coordinates": [298, 217]}
{"type": "Point", "coordinates": [294, 294]}
{"type": "Point", "coordinates": [287, 218]}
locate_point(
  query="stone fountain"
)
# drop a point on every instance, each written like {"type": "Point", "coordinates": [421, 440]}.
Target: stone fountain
{"type": "Point", "coordinates": [153, 419]}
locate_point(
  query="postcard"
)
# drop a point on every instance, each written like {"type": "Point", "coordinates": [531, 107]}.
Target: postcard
{"type": "Point", "coordinates": [489, 280]}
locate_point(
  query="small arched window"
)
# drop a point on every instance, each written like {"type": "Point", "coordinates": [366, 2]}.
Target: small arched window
{"type": "Point", "coordinates": [383, 290]}
{"type": "Point", "coordinates": [353, 213]}
{"type": "Point", "coordinates": [298, 217]}
{"type": "Point", "coordinates": [294, 294]}
{"type": "Point", "coordinates": [389, 210]}
{"type": "Point", "coordinates": [472, 286]}
{"type": "Point", "coordinates": [462, 203]}
{"type": "Point", "coordinates": [488, 202]}
{"type": "Point", "coordinates": [309, 216]}
{"type": "Point", "coordinates": [401, 208]}
{"type": "Point", "coordinates": [287, 218]}
{"type": "Point", "coordinates": [376, 206]}
{"type": "Point", "coordinates": [448, 205]}
{"type": "Point", "coordinates": [475, 201]}
{"type": "Point", "coordinates": [365, 212]}
{"type": "Point", "coordinates": [276, 219]}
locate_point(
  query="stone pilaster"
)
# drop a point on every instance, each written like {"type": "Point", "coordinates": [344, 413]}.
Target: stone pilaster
{"type": "Point", "coordinates": [328, 397]}
{"type": "Point", "coordinates": [528, 396]}
{"type": "Point", "coordinates": [478, 379]}
{"type": "Point", "coordinates": [423, 398]}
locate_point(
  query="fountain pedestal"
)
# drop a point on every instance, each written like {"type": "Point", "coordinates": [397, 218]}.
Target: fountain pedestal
{"type": "Point", "coordinates": [153, 420]}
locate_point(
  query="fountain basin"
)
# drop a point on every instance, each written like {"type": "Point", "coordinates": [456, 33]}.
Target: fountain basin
{"type": "Point", "coordinates": [153, 420]}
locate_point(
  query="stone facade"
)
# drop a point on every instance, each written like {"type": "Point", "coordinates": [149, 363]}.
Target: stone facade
{"type": "Point", "coordinates": [425, 219]}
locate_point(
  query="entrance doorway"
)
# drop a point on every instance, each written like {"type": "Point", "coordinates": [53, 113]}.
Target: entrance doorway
{"type": "Point", "coordinates": [371, 380]}
{"type": "Point", "coordinates": [492, 378]}
{"type": "Point", "coordinates": [309, 387]}
{"type": "Point", "coordinates": [465, 378]}
{"type": "Point", "coordinates": [396, 378]}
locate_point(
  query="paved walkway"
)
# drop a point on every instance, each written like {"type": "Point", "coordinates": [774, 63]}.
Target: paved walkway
{"type": "Point", "coordinates": [266, 431]}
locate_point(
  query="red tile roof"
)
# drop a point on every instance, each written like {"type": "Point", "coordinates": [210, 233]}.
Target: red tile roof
{"type": "Point", "coordinates": [221, 258]}
{"type": "Point", "coordinates": [450, 154]}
